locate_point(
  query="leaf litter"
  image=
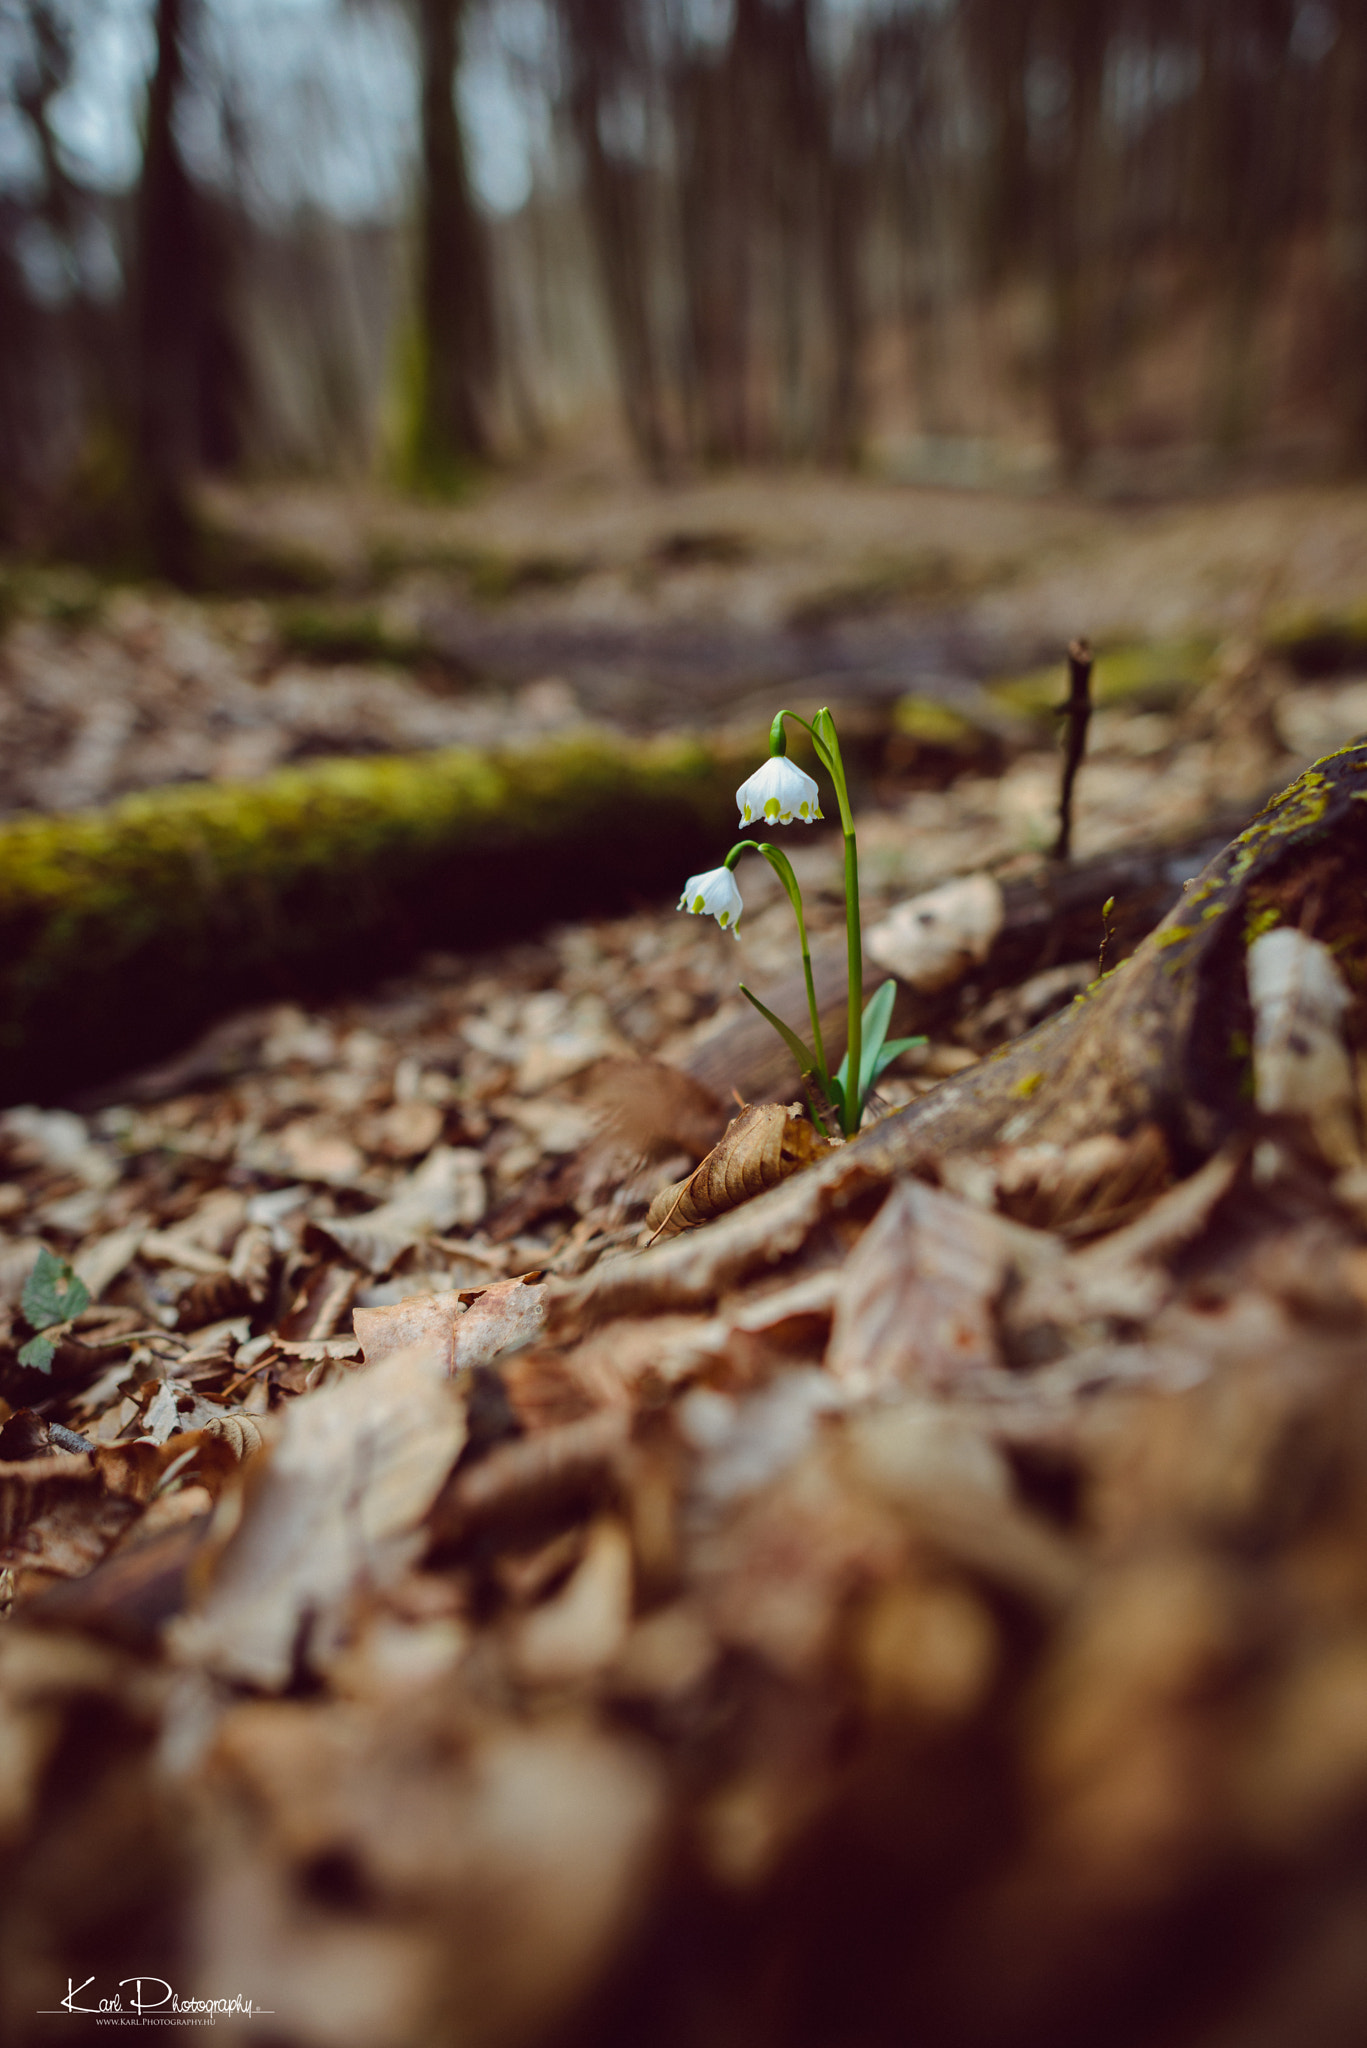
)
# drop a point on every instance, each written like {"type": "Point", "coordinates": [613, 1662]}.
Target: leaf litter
{"type": "Point", "coordinates": [443, 1617]}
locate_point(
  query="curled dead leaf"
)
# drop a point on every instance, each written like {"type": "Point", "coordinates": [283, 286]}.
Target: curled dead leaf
{"type": "Point", "coordinates": [760, 1147]}
{"type": "Point", "coordinates": [241, 1433]}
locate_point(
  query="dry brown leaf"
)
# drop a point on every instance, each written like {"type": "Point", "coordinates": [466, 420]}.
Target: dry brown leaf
{"type": "Point", "coordinates": [1084, 1188]}
{"type": "Point", "coordinates": [652, 1110]}
{"type": "Point", "coordinates": [1127, 1275]}
{"type": "Point", "coordinates": [58, 1517]}
{"type": "Point", "coordinates": [529, 1476]}
{"type": "Point", "coordinates": [577, 1634]}
{"type": "Point", "coordinates": [336, 1502]}
{"type": "Point", "coordinates": [762, 1146]}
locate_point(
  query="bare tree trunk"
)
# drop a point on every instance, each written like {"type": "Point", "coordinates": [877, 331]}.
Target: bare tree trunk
{"type": "Point", "coordinates": [1082, 34]}
{"type": "Point", "coordinates": [1348, 171]}
{"type": "Point", "coordinates": [169, 283]}
{"type": "Point", "coordinates": [714, 120]}
{"type": "Point", "coordinates": [457, 315]}
{"type": "Point", "coordinates": [599, 46]}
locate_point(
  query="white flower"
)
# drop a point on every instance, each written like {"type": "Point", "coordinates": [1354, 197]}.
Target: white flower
{"type": "Point", "coordinates": [777, 793]}
{"type": "Point", "coordinates": [714, 894]}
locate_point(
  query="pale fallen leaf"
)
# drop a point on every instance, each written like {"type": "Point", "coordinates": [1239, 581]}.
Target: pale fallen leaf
{"type": "Point", "coordinates": [100, 1262]}
{"type": "Point", "coordinates": [919, 1294]}
{"type": "Point", "coordinates": [464, 1333]}
{"type": "Point", "coordinates": [445, 1191]}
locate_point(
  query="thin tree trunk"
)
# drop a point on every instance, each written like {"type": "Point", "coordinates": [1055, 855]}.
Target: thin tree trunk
{"type": "Point", "coordinates": [1067, 221]}
{"type": "Point", "coordinates": [168, 289]}
{"type": "Point", "coordinates": [1348, 170]}
{"type": "Point", "coordinates": [457, 316]}
{"type": "Point", "coordinates": [598, 40]}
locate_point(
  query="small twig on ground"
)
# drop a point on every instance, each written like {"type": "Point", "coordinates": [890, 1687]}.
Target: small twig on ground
{"type": "Point", "coordinates": [1078, 712]}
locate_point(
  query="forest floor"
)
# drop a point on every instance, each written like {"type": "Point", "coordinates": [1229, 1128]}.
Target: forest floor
{"type": "Point", "coordinates": [574, 594]}
{"type": "Point", "coordinates": [743, 1641]}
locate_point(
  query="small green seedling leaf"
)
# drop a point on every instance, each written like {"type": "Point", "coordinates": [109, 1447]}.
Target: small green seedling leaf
{"type": "Point", "coordinates": [38, 1354]}
{"type": "Point", "coordinates": [52, 1294]}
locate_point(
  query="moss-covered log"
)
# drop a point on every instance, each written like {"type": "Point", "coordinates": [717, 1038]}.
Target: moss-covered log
{"type": "Point", "coordinates": [123, 930]}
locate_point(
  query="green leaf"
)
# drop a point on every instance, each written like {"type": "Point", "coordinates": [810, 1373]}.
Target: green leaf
{"type": "Point", "coordinates": [806, 1060]}
{"type": "Point", "coordinates": [875, 1053]}
{"type": "Point", "coordinates": [891, 1050]}
{"type": "Point", "coordinates": [38, 1354]}
{"type": "Point", "coordinates": [877, 1017]}
{"type": "Point", "coordinates": [52, 1294]}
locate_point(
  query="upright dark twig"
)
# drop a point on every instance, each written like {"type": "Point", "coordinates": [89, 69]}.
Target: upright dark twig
{"type": "Point", "coordinates": [1078, 712]}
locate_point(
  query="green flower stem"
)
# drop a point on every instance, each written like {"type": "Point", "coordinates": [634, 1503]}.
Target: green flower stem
{"type": "Point", "coordinates": [854, 1101]}
{"type": "Point", "coordinates": [782, 867]}
{"type": "Point", "coordinates": [826, 741]}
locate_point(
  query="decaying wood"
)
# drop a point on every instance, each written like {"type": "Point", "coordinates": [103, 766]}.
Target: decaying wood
{"type": "Point", "coordinates": [1165, 1037]}
{"type": "Point", "coordinates": [761, 1147]}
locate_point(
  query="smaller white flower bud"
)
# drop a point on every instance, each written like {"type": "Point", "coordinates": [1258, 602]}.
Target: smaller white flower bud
{"type": "Point", "coordinates": [715, 894]}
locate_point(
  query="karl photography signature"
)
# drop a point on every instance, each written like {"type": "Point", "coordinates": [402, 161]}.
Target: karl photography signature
{"type": "Point", "coordinates": [147, 2000]}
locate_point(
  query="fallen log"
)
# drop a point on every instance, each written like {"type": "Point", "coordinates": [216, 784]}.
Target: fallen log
{"type": "Point", "coordinates": [122, 931]}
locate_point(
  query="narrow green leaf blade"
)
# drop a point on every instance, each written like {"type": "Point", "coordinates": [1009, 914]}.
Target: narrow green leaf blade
{"type": "Point", "coordinates": [806, 1060]}
{"type": "Point", "coordinates": [892, 1048]}
{"type": "Point", "coordinates": [877, 1017]}
{"type": "Point", "coordinates": [52, 1293]}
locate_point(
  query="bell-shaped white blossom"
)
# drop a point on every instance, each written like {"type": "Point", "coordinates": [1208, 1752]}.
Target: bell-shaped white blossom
{"type": "Point", "coordinates": [777, 793]}
{"type": "Point", "coordinates": [715, 894]}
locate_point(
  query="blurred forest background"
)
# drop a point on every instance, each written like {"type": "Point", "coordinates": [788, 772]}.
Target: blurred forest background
{"type": "Point", "coordinates": [955, 241]}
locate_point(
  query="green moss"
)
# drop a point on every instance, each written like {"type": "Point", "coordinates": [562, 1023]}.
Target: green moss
{"type": "Point", "coordinates": [931, 575]}
{"type": "Point", "coordinates": [1319, 641]}
{"type": "Point", "coordinates": [932, 724]}
{"type": "Point", "coordinates": [1258, 922]}
{"type": "Point", "coordinates": [346, 633]}
{"type": "Point", "coordinates": [494, 577]}
{"type": "Point", "coordinates": [121, 930]}
{"type": "Point", "coordinates": [1027, 1085]}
